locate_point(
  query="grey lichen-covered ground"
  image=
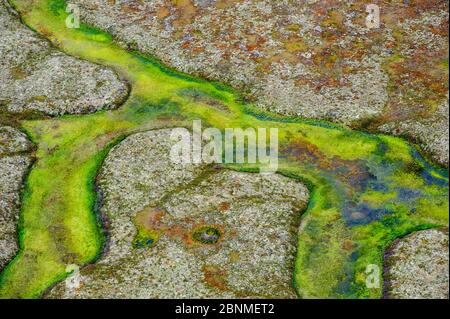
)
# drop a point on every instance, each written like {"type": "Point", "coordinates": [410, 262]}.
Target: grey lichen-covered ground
{"type": "Point", "coordinates": [192, 231]}
{"type": "Point", "coordinates": [417, 266]}
{"type": "Point", "coordinates": [34, 77]}
{"type": "Point", "coordinates": [15, 158]}
{"type": "Point", "coordinates": [309, 58]}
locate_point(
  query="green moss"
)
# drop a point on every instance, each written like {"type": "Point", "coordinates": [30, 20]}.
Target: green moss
{"type": "Point", "coordinates": [57, 6]}
{"type": "Point", "coordinates": [18, 73]}
{"type": "Point", "coordinates": [38, 98]}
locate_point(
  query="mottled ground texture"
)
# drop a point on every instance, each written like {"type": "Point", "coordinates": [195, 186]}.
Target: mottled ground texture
{"type": "Point", "coordinates": [15, 159]}
{"type": "Point", "coordinates": [34, 77]}
{"type": "Point", "coordinates": [417, 266]}
{"type": "Point", "coordinates": [193, 231]}
{"type": "Point", "coordinates": [314, 59]}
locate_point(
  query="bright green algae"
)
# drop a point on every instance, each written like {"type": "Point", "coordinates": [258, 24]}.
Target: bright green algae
{"type": "Point", "coordinates": [366, 190]}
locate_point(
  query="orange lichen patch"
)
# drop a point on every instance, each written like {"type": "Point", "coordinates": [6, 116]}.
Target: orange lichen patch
{"type": "Point", "coordinates": [197, 50]}
{"type": "Point", "coordinates": [418, 76]}
{"type": "Point", "coordinates": [321, 8]}
{"type": "Point", "coordinates": [221, 46]}
{"type": "Point", "coordinates": [285, 56]}
{"type": "Point", "coordinates": [215, 277]}
{"type": "Point", "coordinates": [326, 81]}
{"type": "Point", "coordinates": [156, 222]}
{"type": "Point", "coordinates": [224, 4]}
{"type": "Point", "coordinates": [442, 30]}
{"type": "Point", "coordinates": [224, 206]}
{"type": "Point", "coordinates": [180, 233]}
{"type": "Point", "coordinates": [162, 12]}
{"type": "Point", "coordinates": [234, 256]}
{"type": "Point", "coordinates": [186, 45]}
{"type": "Point", "coordinates": [45, 32]}
{"type": "Point", "coordinates": [183, 231]}
{"type": "Point", "coordinates": [254, 42]}
{"type": "Point", "coordinates": [130, 7]}
{"type": "Point", "coordinates": [301, 81]}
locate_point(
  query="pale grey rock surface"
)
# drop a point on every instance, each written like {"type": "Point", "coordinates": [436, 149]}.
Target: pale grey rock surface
{"type": "Point", "coordinates": [14, 162]}
{"type": "Point", "coordinates": [417, 266]}
{"type": "Point", "coordinates": [257, 217]}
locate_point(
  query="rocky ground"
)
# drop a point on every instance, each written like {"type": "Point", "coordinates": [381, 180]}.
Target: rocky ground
{"type": "Point", "coordinates": [15, 158]}
{"type": "Point", "coordinates": [417, 266]}
{"type": "Point", "coordinates": [202, 231]}
{"type": "Point", "coordinates": [310, 58]}
{"type": "Point", "coordinates": [34, 77]}
{"type": "Point", "coordinates": [192, 231]}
